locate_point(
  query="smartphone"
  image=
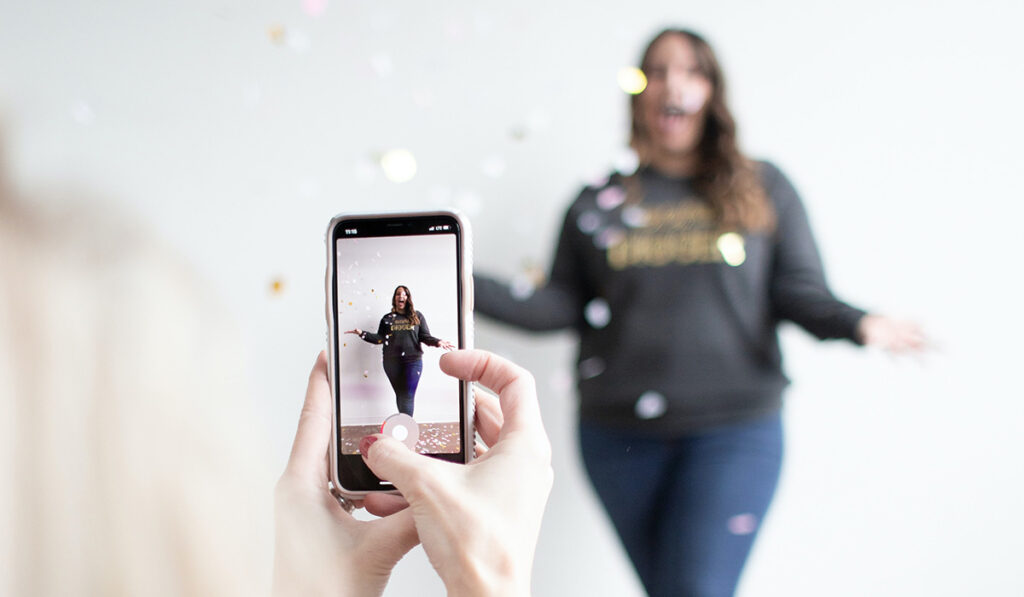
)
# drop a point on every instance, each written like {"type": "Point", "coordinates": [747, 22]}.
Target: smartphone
{"type": "Point", "coordinates": [399, 292]}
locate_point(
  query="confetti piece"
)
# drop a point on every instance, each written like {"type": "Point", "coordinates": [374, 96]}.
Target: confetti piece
{"type": "Point", "coordinates": [626, 161]}
{"type": "Point", "coordinates": [277, 286]}
{"type": "Point", "coordinates": [276, 33]}
{"type": "Point", "coordinates": [314, 8]}
{"type": "Point", "coordinates": [588, 222]}
{"type": "Point", "coordinates": [732, 248]}
{"type": "Point", "coordinates": [742, 524]}
{"type": "Point", "coordinates": [610, 197]}
{"type": "Point", "coordinates": [399, 165]}
{"type": "Point", "coordinates": [591, 368]}
{"type": "Point", "coordinates": [597, 313]}
{"type": "Point", "coordinates": [634, 216]}
{"type": "Point", "coordinates": [609, 237]}
{"type": "Point", "coordinates": [650, 405]}
{"type": "Point", "coordinates": [632, 80]}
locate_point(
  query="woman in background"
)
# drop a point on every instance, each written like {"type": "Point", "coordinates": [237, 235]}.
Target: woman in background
{"type": "Point", "coordinates": [401, 331]}
{"type": "Point", "coordinates": [676, 278]}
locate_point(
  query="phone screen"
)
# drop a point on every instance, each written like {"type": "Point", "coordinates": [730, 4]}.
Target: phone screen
{"type": "Point", "coordinates": [397, 307]}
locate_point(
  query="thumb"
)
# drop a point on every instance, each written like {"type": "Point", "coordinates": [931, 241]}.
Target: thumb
{"type": "Point", "coordinates": [392, 461]}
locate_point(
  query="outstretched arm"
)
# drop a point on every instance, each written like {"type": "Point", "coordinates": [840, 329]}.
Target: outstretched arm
{"type": "Point", "coordinates": [799, 291]}
{"type": "Point", "coordinates": [378, 338]}
{"type": "Point", "coordinates": [801, 294]}
{"type": "Point", "coordinates": [557, 304]}
{"type": "Point", "coordinates": [426, 338]}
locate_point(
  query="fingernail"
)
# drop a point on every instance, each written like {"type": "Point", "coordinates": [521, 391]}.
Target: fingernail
{"type": "Point", "coordinates": [365, 443]}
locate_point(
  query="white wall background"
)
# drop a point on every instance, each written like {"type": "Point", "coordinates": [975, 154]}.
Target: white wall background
{"type": "Point", "coordinates": [899, 121]}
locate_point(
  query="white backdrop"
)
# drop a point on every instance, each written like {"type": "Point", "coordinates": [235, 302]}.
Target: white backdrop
{"type": "Point", "coordinates": [237, 129]}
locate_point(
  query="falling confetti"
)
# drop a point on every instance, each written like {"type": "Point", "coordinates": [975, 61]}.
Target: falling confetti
{"type": "Point", "coordinates": [277, 286]}
{"type": "Point", "coordinates": [650, 405]}
{"type": "Point", "coordinates": [626, 161]}
{"type": "Point", "coordinates": [597, 313]}
{"type": "Point", "coordinates": [610, 197]}
{"type": "Point", "coordinates": [314, 8]}
{"type": "Point", "coordinates": [693, 100]}
{"type": "Point", "coordinates": [276, 33]}
{"type": "Point", "coordinates": [632, 80]}
{"type": "Point", "coordinates": [591, 368]}
{"type": "Point", "coordinates": [522, 286]}
{"type": "Point", "coordinates": [609, 237]}
{"type": "Point", "coordinates": [366, 373]}
{"type": "Point", "coordinates": [732, 248]}
{"type": "Point", "coordinates": [588, 222]}
{"type": "Point", "coordinates": [399, 165]}
{"type": "Point", "coordinates": [742, 524]}
{"type": "Point", "coordinates": [634, 216]}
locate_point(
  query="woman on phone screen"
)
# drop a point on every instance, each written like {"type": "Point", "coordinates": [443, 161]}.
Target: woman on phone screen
{"type": "Point", "coordinates": [676, 277]}
{"type": "Point", "coordinates": [401, 331]}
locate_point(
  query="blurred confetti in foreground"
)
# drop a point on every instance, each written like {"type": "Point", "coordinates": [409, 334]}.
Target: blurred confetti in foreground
{"type": "Point", "coordinates": [276, 33]}
{"type": "Point", "coordinates": [591, 367]}
{"type": "Point", "coordinates": [277, 287]}
{"type": "Point", "coordinates": [314, 8]}
{"type": "Point", "coordinates": [632, 80]}
{"type": "Point", "coordinates": [650, 405]}
{"type": "Point", "coordinates": [597, 313]}
{"type": "Point", "coordinates": [626, 161]}
{"type": "Point", "coordinates": [399, 165]}
{"type": "Point", "coordinates": [732, 248]}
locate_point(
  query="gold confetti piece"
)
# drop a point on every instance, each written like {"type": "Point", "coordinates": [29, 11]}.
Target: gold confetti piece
{"type": "Point", "coordinates": [277, 286]}
{"type": "Point", "coordinates": [632, 80]}
{"type": "Point", "coordinates": [350, 303]}
{"type": "Point", "coordinates": [276, 33]}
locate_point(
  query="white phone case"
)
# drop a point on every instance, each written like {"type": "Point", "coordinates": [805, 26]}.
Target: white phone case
{"type": "Point", "coordinates": [465, 341]}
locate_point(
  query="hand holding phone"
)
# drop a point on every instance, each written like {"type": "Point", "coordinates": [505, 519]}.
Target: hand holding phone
{"type": "Point", "coordinates": [478, 523]}
{"type": "Point", "coordinates": [319, 548]}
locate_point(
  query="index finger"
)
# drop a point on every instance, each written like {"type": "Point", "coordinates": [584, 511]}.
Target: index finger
{"type": "Point", "coordinates": [516, 389]}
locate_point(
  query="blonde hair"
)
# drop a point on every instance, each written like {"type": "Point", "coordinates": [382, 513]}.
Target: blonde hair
{"type": "Point", "coordinates": [126, 467]}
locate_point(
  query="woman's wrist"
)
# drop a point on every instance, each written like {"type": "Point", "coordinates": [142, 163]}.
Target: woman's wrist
{"type": "Point", "coordinates": [489, 574]}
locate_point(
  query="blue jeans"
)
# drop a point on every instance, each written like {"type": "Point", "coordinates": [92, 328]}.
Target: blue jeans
{"type": "Point", "coordinates": [404, 378]}
{"type": "Point", "coordinates": [686, 509]}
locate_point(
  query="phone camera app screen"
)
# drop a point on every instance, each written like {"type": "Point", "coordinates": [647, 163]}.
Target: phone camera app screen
{"type": "Point", "coordinates": [396, 314]}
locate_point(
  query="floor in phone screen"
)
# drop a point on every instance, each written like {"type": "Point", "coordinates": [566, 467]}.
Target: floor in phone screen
{"type": "Point", "coordinates": [435, 438]}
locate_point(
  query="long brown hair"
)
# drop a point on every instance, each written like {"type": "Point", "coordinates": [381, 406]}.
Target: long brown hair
{"type": "Point", "coordinates": [410, 310]}
{"type": "Point", "coordinates": [725, 177]}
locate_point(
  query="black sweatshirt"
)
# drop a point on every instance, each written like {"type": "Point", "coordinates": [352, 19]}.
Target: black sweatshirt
{"type": "Point", "coordinates": [401, 338]}
{"type": "Point", "coordinates": [677, 320]}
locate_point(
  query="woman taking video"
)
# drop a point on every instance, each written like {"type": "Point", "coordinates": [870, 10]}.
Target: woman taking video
{"type": "Point", "coordinates": [401, 332]}
{"type": "Point", "coordinates": [675, 278]}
